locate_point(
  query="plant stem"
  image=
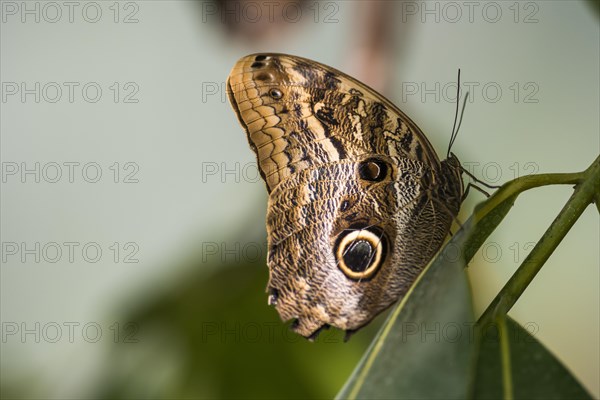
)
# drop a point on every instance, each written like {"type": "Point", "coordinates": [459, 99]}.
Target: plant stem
{"type": "Point", "coordinates": [507, 383]}
{"type": "Point", "coordinates": [519, 185]}
{"type": "Point", "coordinates": [584, 194]}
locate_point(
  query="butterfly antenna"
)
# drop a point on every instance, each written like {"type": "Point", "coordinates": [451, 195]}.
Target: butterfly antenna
{"type": "Point", "coordinates": [455, 128]}
{"type": "Point", "coordinates": [462, 112]}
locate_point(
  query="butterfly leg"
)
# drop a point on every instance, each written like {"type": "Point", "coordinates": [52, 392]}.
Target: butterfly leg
{"type": "Point", "coordinates": [316, 333]}
{"type": "Point", "coordinates": [470, 175]}
{"type": "Point", "coordinates": [469, 186]}
{"type": "Point", "coordinates": [349, 334]}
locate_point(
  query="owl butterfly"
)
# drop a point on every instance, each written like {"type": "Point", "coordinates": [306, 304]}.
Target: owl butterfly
{"type": "Point", "coordinates": [359, 202]}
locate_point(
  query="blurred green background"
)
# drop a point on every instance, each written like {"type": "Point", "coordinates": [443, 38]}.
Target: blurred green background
{"type": "Point", "coordinates": [163, 293]}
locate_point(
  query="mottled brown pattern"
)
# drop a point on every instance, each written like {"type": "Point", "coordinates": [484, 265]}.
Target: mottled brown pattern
{"type": "Point", "coordinates": [312, 128]}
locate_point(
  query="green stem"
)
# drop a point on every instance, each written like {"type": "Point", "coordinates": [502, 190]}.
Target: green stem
{"type": "Point", "coordinates": [517, 186]}
{"type": "Point", "coordinates": [507, 383]}
{"type": "Point", "coordinates": [489, 214]}
{"type": "Point", "coordinates": [584, 194]}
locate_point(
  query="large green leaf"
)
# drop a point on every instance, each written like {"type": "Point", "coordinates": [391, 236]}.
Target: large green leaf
{"type": "Point", "coordinates": [512, 364]}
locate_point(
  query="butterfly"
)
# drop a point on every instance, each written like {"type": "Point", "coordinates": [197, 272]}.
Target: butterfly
{"type": "Point", "coordinates": [359, 202]}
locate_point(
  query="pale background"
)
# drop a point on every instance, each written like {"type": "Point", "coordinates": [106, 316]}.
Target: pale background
{"type": "Point", "coordinates": [173, 56]}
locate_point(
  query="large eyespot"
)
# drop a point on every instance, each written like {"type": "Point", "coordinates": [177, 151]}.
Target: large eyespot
{"type": "Point", "coordinates": [360, 253]}
{"type": "Point", "coordinates": [372, 170]}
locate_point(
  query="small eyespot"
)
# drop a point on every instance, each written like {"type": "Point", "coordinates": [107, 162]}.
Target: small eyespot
{"type": "Point", "coordinates": [344, 206]}
{"type": "Point", "coordinates": [257, 65]}
{"type": "Point", "coordinates": [295, 324]}
{"type": "Point", "coordinates": [360, 253]}
{"type": "Point", "coordinates": [273, 296]}
{"type": "Point", "coordinates": [264, 76]}
{"type": "Point", "coordinates": [275, 94]}
{"type": "Point", "coordinates": [372, 170]}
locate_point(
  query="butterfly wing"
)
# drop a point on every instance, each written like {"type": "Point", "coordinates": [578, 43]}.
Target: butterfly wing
{"type": "Point", "coordinates": [354, 213]}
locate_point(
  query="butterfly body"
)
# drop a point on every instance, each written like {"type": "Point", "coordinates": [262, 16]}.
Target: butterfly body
{"type": "Point", "coordinates": [358, 200]}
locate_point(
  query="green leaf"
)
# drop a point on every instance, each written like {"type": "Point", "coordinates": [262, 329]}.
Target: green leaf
{"type": "Point", "coordinates": [512, 364]}
{"type": "Point", "coordinates": [480, 226]}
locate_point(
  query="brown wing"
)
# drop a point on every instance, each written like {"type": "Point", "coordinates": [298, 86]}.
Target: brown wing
{"type": "Point", "coordinates": [356, 190]}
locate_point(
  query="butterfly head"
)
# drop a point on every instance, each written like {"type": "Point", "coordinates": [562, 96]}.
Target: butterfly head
{"type": "Point", "coordinates": [451, 188]}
